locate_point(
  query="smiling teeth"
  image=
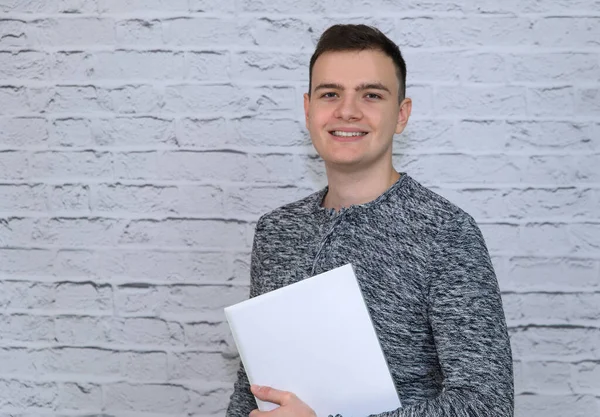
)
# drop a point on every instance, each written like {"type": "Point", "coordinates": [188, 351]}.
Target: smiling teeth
{"type": "Point", "coordinates": [347, 134]}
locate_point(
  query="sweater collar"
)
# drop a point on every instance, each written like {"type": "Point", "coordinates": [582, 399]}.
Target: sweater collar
{"type": "Point", "coordinates": [317, 201]}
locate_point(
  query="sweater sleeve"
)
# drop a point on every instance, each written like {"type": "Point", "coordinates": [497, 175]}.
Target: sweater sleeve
{"type": "Point", "coordinates": [469, 329]}
{"type": "Point", "coordinates": [242, 401]}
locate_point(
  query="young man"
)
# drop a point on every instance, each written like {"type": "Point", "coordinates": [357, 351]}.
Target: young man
{"type": "Point", "coordinates": [421, 262]}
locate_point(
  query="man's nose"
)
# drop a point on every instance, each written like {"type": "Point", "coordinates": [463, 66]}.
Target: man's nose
{"type": "Point", "coordinates": [348, 109]}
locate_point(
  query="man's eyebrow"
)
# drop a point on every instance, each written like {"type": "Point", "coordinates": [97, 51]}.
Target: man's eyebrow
{"type": "Point", "coordinates": [360, 87]}
{"type": "Point", "coordinates": [372, 86]}
{"type": "Point", "coordinates": [327, 86]}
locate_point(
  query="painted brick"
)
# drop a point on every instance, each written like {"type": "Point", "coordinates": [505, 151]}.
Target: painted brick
{"type": "Point", "coordinates": [84, 31]}
{"type": "Point", "coordinates": [77, 232]}
{"type": "Point", "coordinates": [211, 401]}
{"type": "Point", "coordinates": [20, 361]}
{"type": "Point", "coordinates": [481, 101]}
{"type": "Point", "coordinates": [562, 378]}
{"type": "Point", "coordinates": [209, 335]}
{"type": "Point", "coordinates": [434, 67]}
{"type": "Point", "coordinates": [81, 330]}
{"type": "Point", "coordinates": [552, 135]}
{"type": "Point", "coordinates": [555, 405]}
{"type": "Point", "coordinates": [209, 298]}
{"type": "Point", "coordinates": [146, 331]}
{"type": "Point", "coordinates": [180, 299]}
{"type": "Point", "coordinates": [134, 131]}
{"type": "Point", "coordinates": [26, 197]}
{"type": "Point", "coordinates": [204, 166]}
{"type": "Point", "coordinates": [132, 99]}
{"type": "Point", "coordinates": [485, 68]}
{"type": "Point", "coordinates": [132, 6]}
{"type": "Point", "coordinates": [144, 366]}
{"type": "Point", "coordinates": [585, 237]}
{"type": "Point", "coordinates": [49, 6]}
{"type": "Point", "coordinates": [68, 165]}
{"type": "Point", "coordinates": [550, 274]}
{"type": "Point", "coordinates": [69, 66]}
{"type": "Point", "coordinates": [24, 65]}
{"type": "Point", "coordinates": [586, 101]}
{"type": "Point", "coordinates": [25, 328]}
{"type": "Point", "coordinates": [200, 32]}
{"type": "Point", "coordinates": [484, 203]}
{"type": "Point", "coordinates": [276, 168]}
{"type": "Point", "coordinates": [70, 132]}
{"type": "Point", "coordinates": [280, 33]}
{"type": "Point", "coordinates": [134, 198]}
{"type": "Point", "coordinates": [79, 397]}
{"type": "Point", "coordinates": [259, 131]}
{"type": "Point", "coordinates": [154, 398]}
{"type": "Point", "coordinates": [260, 200]}
{"type": "Point", "coordinates": [140, 299]}
{"type": "Point", "coordinates": [23, 131]}
{"type": "Point", "coordinates": [208, 65]}
{"type": "Point", "coordinates": [565, 31]}
{"type": "Point", "coordinates": [486, 31]}
{"type": "Point", "coordinates": [146, 65]}
{"type": "Point", "coordinates": [70, 99]}
{"type": "Point", "coordinates": [565, 308]}
{"type": "Point", "coordinates": [390, 6]}
{"type": "Point", "coordinates": [24, 261]}
{"type": "Point", "coordinates": [556, 343]}
{"type": "Point", "coordinates": [269, 66]}
{"type": "Point", "coordinates": [422, 97]}
{"type": "Point", "coordinates": [204, 132]}
{"type": "Point", "coordinates": [142, 265]}
{"type": "Point", "coordinates": [84, 296]}
{"type": "Point", "coordinates": [426, 134]}
{"type": "Point", "coordinates": [13, 100]}
{"type": "Point", "coordinates": [68, 198]}
{"type": "Point", "coordinates": [16, 231]}
{"type": "Point", "coordinates": [13, 165]}
{"type": "Point", "coordinates": [210, 6]}
{"type": "Point", "coordinates": [533, 6]}
{"type": "Point", "coordinates": [284, 6]}
{"type": "Point", "coordinates": [15, 33]}
{"type": "Point", "coordinates": [202, 366]}
{"type": "Point", "coordinates": [554, 101]}
{"type": "Point", "coordinates": [555, 67]}
{"type": "Point", "coordinates": [139, 32]}
{"type": "Point", "coordinates": [556, 238]}
{"type": "Point", "coordinates": [28, 395]}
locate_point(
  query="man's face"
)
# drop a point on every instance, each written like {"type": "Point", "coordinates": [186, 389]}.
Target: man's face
{"type": "Point", "coordinates": [353, 110]}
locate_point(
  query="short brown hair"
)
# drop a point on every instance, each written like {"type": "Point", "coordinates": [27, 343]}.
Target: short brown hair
{"type": "Point", "coordinates": [339, 38]}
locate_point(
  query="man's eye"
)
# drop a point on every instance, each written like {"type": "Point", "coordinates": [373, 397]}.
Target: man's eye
{"type": "Point", "coordinates": [329, 95]}
{"type": "Point", "coordinates": [373, 96]}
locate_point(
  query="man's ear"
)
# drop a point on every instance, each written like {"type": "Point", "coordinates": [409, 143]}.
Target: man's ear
{"type": "Point", "coordinates": [403, 115]}
{"type": "Point", "coordinates": [306, 105]}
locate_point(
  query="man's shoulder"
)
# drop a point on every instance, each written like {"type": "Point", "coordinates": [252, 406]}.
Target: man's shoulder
{"type": "Point", "coordinates": [432, 208]}
{"type": "Point", "coordinates": [295, 212]}
{"type": "Point", "coordinates": [428, 202]}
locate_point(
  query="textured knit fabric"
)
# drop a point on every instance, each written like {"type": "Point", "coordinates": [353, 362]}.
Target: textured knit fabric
{"type": "Point", "coordinates": [429, 286]}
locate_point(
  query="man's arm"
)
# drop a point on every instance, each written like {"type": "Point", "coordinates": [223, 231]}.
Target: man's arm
{"type": "Point", "coordinates": [242, 401]}
{"type": "Point", "coordinates": [469, 329]}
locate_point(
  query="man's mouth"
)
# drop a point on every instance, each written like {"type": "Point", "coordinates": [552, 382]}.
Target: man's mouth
{"type": "Point", "coordinates": [341, 134]}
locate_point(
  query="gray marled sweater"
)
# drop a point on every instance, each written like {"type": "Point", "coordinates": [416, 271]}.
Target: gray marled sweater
{"type": "Point", "coordinates": [429, 285]}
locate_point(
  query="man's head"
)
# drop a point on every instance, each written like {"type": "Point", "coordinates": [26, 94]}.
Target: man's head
{"type": "Point", "coordinates": [342, 38]}
{"type": "Point", "coordinates": [356, 101]}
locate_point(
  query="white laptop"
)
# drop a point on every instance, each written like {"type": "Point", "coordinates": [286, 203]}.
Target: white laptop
{"type": "Point", "coordinates": [315, 338]}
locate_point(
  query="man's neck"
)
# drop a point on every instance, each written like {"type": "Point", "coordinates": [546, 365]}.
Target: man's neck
{"type": "Point", "coordinates": [347, 189]}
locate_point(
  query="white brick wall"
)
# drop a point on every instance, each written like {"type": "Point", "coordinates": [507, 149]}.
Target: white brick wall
{"type": "Point", "coordinates": [140, 140]}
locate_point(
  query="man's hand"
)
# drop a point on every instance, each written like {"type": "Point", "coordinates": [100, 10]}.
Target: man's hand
{"type": "Point", "coordinates": [289, 404]}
